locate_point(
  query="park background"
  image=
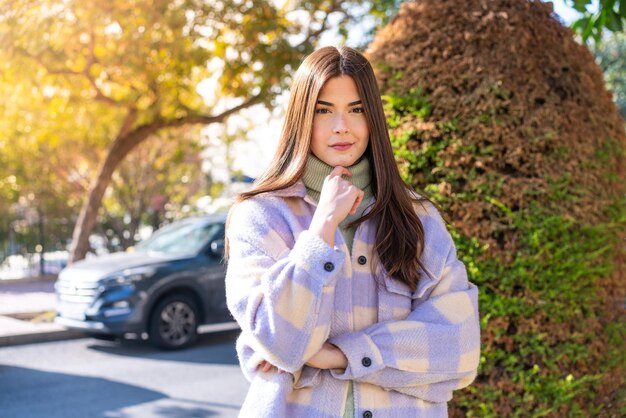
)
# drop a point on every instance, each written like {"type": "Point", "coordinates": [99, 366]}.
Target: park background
{"type": "Point", "coordinates": [121, 117]}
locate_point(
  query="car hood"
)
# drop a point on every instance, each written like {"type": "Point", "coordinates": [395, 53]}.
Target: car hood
{"type": "Point", "coordinates": [95, 268]}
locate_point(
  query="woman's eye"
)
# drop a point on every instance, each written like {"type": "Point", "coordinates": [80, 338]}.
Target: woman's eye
{"type": "Point", "coordinates": [358, 110]}
{"type": "Point", "coordinates": [322, 110]}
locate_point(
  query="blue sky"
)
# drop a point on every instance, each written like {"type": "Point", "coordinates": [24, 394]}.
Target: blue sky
{"type": "Point", "coordinates": [566, 13]}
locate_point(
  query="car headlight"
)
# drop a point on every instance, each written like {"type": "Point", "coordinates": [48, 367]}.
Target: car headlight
{"type": "Point", "coordinates": [126, 277]}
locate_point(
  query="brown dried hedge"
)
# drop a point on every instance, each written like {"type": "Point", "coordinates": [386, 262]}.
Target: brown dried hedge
{"type": "Point", "coordinates": [517, 122]}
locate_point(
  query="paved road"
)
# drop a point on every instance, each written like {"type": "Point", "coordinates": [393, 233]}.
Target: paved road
{"type": "Point", "coordinates": [92, 378]}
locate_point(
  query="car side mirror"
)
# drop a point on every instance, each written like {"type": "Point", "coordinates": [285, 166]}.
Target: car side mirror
{"type": "Point", "coordinates": [217, 248]}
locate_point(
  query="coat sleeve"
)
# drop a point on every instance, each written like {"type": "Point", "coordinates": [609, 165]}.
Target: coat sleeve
{"type": "Point", "coordinates": [432, 352]}
{"type": "Point", "coordinates": [279, 292]}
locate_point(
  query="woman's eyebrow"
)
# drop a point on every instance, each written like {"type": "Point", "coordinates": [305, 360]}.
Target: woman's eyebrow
{"type": "Point", "coordinates": [322, 102]}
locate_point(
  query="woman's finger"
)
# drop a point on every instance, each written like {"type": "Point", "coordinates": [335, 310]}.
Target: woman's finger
{"type": "Point", "coordinates": [339, 171]}
{"type": "Point", "coordinates": [265, 366]}
{"type": "Point", "coordinates": [357, 202]}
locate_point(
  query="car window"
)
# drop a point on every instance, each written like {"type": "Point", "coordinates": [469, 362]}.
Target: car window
{"type": "Point", "coordinates": [183, 237]}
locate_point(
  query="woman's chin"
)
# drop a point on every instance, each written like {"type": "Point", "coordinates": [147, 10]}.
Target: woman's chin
{"type": "Point", "coordinates": [341, 161]}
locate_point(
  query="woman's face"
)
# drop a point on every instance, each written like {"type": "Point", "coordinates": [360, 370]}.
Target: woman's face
{"type": "Point", "coordinates": [340, 132]}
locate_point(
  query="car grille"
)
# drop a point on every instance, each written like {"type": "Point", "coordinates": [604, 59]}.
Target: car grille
{"type": "Point", "coordinates": [76, 292]}
{"type": "Point", "coordinates": [74, 298]}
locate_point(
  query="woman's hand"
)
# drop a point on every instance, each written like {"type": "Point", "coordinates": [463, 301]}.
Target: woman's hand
{"type": "Point", "coordinates": [266, 366]}
{"type": "Point", "coordinates": [338, 199]}
{"type": "Point", "coordinates": [329, 357]}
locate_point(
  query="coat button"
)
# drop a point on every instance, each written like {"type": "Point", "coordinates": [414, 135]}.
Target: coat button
{"type": "Point", "coordinates": [366, 361]}
{"type": "Point", "coordinates": [329, 266]}
{"type": "Point", "coordinates": [368, 414]}
{"type": "Point", "coordinates": [362, 260]}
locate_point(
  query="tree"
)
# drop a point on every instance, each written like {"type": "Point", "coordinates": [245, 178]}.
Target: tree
{"type": "Point", "coordinates": [610, 54]}
{"type": "Point", "coordinates": [164, 172]}
{"type": "Point", "coordinates": [113, 74]}
{"type": "Point", "coordinates": [36, 176]}
{"type": "Point", "coordinates": [611, 15]}
{"type": "Point", "coordinates": [504, 120]}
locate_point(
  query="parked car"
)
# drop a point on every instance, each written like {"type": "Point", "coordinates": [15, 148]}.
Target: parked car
{"type": "Point", "coordinates": [163, 290]}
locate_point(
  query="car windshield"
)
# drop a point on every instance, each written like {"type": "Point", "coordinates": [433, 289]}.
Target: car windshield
{"type": "Point", "coordinates": [184, 237]}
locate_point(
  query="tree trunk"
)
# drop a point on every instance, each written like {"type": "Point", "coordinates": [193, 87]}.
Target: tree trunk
{"type": "Point", "coordinates": [89, 211]}
{"type": "Point", "coordinates": [123, 144]}
{"type": "Point", "coordinates": [42, 242]}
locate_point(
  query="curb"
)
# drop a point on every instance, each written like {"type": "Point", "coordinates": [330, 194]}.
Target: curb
{"type": "Point", "coordinates": [20, 328]}
{"type": "Point", "coordinates": [27, 306]}
{"type": "Point", "coordinates": [33, 279]}
{"type": "Point", "coordinates": [39, 337]}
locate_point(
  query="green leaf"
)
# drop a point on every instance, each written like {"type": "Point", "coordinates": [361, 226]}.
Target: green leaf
{"type": "Point", "coordinates": [614, 21]}
{"type": "Point", "coordinates": [581, 24]}
{"type": "Point", "coordinates": [588, 28]}
{"type": "Point", "coordinates": [581, 5]}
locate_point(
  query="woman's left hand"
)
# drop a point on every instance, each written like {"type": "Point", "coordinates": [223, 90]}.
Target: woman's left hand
{"type": "Point", "coordinates": [265, 366]}
{"type": "Point", "coordinates": [329, 357]}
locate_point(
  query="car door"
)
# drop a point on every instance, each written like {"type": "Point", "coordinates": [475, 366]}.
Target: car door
{"type": "Point", "coordinates": [215, 274]}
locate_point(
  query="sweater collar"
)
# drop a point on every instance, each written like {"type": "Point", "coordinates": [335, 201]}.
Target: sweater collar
{"type": "Point", "coordinates": [316, 171]}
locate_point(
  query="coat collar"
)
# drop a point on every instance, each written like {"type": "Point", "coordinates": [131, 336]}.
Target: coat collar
{"type": "Point", "coordinates": [299, 190]}
{"type": "Point", "coordinates": [296, 190]}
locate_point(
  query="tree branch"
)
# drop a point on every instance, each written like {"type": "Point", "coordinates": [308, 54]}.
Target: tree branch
{"type": "Point", "coordinates": [335, 6]}
{"type": "Point", "coordinates": [100, 96]}
{"type": "Point", "coordinates": [128, 122]}
{"type": "Point", "coordinates": [91, 60]}
{"type": "Point", "coordinates": [194, 118]}
{"type": "Point", "coordinates": [123, 144]}
{"type": "Point", "coordinates": [38, 60]}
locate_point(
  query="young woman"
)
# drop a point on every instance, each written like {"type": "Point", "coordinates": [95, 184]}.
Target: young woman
{"type": "Point", "coordinates": [345, 282]}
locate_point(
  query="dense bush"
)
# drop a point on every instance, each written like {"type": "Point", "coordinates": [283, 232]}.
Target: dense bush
{"type": "Point", "coordinates": [503, 120]}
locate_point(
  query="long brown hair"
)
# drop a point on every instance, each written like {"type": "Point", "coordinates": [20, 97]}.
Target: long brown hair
{"type": "Point", "coordinates": [399, 232]}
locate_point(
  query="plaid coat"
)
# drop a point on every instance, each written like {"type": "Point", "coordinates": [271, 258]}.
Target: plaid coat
{"type": "Point", "coordinates": [290, 292]}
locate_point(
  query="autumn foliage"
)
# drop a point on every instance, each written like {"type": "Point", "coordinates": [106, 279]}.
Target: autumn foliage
{"type": "Point", "coordinates": [503, 119]}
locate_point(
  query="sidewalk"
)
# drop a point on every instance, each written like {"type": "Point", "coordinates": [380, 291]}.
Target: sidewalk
{"type": "Point", "coordinates": [27, 311]}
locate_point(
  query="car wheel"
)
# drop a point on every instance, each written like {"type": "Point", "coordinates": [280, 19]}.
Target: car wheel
{"type": "Point", "coordinates": [174, 322]}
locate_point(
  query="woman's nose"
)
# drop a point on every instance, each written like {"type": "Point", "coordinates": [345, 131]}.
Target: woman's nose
{"type": "Point", "coordinates": [340, 126]}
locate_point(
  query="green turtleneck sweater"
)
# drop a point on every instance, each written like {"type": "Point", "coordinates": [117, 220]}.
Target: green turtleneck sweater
{"type": "Point", "coordinates": [316, 171]}
{"type": "Point", "coordinates": [314, 174]}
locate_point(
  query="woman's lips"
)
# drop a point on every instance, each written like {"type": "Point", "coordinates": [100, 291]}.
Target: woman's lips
{"type": "Point", "coordinates": [342, 146]}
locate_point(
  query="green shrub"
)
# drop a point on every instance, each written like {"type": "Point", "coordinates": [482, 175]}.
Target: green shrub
{"type": "Point", "coordinates": [550, 345]}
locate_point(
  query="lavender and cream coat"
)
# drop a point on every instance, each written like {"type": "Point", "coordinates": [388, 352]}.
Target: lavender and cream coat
{"type": "Point", "coordinates": [290, 292]}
